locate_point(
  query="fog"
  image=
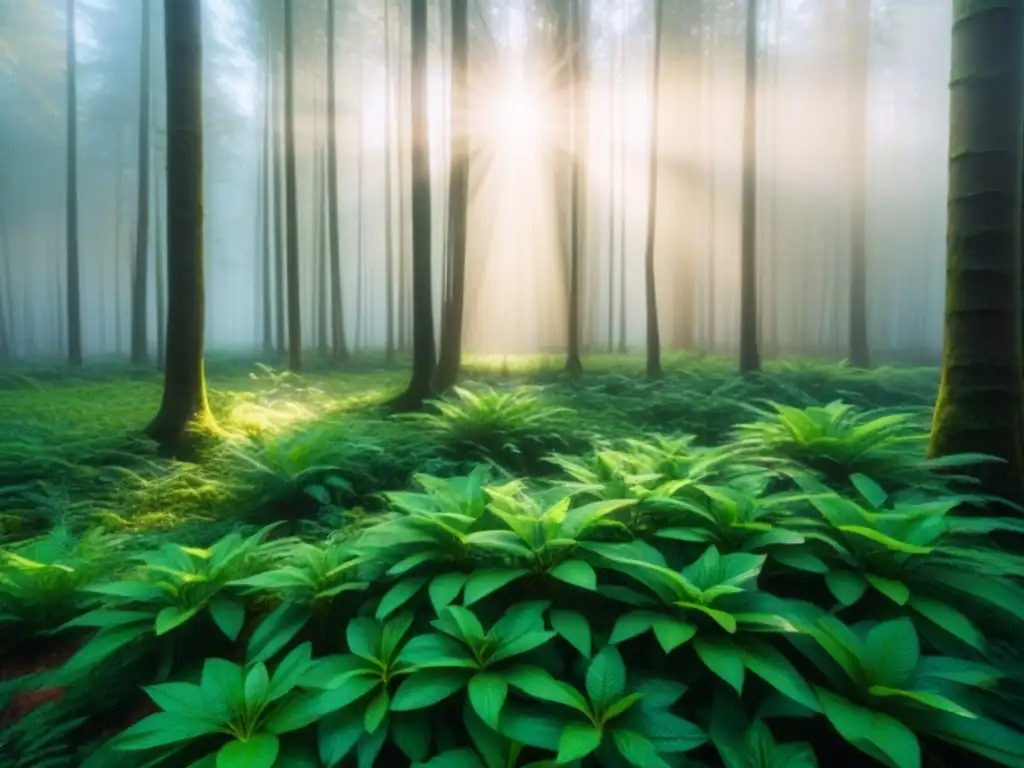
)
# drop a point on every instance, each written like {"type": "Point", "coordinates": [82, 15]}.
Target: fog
{"type": "Point", "coordinates": [516, 281]}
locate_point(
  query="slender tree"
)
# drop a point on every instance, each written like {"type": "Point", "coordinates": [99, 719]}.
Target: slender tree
{"type": "Point", "coordinates": [423, 345]}
{"type": "Point", "coordinates": [750, 357]}
{"type": "Point", "coordinates": [280, 303]}
{"type": "Point", "coordinates": [266, 281]}
{"type": "Point", "coordinates": [650, 286]}
{"type": "Point", "coordinates": [389, 256]}
{"type": "Point", "coordinates": [140, 274]}
{"type": "Point", "coordinates": [573, 361]}
{"type": "Point", "coordinates": [858, 25]}
{"type": "Point", "coordinates": [74, 288]}
{"type": "Point", "coordinates": [184, 409]}
{"type": "Point", "coordinates": [458, 200]}
{"type": "Point", "coordinates": [980, 406]}
{"type": "Point", "coordinates": [339, 347]}
{"type": "Point", "coordinates": [161, 286]}
{"type": "Point", "coordinates": [291, 195]}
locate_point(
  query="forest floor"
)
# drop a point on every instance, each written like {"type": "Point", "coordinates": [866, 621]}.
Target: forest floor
{"type": "Point", "coordinates": [72, 452]}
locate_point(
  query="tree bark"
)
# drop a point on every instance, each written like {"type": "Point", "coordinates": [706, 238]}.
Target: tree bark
{"type": "Point", "coordinates": [281, 302]}
{"type": "Point", "coordinates": [266, 290]}
{"type": "Point", "coordinates": [423, 345]}
{"type": "Point", "coordinates": [573, 361]}
{"type": "Point", "coordinates": [653, 335]}
{"type": "Point", "coordinates": [291, 194]}
{"type": "Point", "coordinates": [980, 406]}
{"type": "Point", "coordinates": [140, 277]}
{"type": "Point", "coordinates": [184, 410]}
{"type": "Point", "coordinates": [458, 200]}
{"type": "Point", "coordinates": [750, 357]}
{"type": "Point", "coordinates": [858, 24]}
{"type": "Point", "coordinates": [389, 256]}
{"type": "Point", "coordinates": [339, 347]}
{"type": "Point", "coordinates": [74, 289]}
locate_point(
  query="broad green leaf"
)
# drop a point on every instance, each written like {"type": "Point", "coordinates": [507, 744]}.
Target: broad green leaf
{"type": "Point", "coordinates": [162, 729]}
{"type": "Point", "coordinates": [337, 735]}
{"type": "Point", "coordinates": [891, 653]}
{"type": "Point", "coordinates": [924, 698]}
{"type": "Point", "coordinates": [426, 688]}
{"type": "Point", "coordinates": [399, 595]}
{"type": "Point", "coordinates": [637, 749]}
{"type": "Point", "coordinates": [173, 617]}
{"type": "Point", "coordinates": [376, 711]}
{"type": "Point", "coordinates": [228, 615]}
{"type": "Point", "coordinates": [183, 699]}
{"type": "Point", "coordinates": [363, 636]}
{"type": "Point", "coordinates": [487, 581]}
{"type": "Point", "coordinates": [949, 619]}
{"type": "Point", "coordinates": [633, 624]}
{"type": "Point", "coordinates": [874, 733]}
{"type": "Point", "coordinates": [276, 630]}
{"type": "Point", "coordinates": [723, 658]}
{"type": "Point", "coordinates": [259, 751]}
{"type": "Point", "coordinates": [290, 671]}
{"type": "Point", "coordinates": [487, 694]}
{"type": "Point", "coordinates": [454, 758]}
{"type": "Point", "coordinates": [257, 687]}
{"type": "Point", "coordinates": [887, 541]}
{"type": "Point", "coordinates": [672, 633]}
{"type": "Point", "coordinates": [606, 678]}
{"type": "Point", "coordinates": [578, 740]}
{"type": "Point", "coordinates": [847, 587]}
{"type": "Point", "coordinates": [444, 588]}
{"type": "Point", "coordinates": [896, 591]}
{"type": "Point", "coordinates": [539, 684]}
{"type": "Point", "coordinates": [622, 705]}
{"type": "Point", "coordinates": [576, 572]}
{"type": "Point", "coordinates": [410, 732]}
{"type": "Point", "coordinates": [223, 688]}
{"type": "Point", "coordinates": [574, 628]}
{"type": "Point", "coordinates": [768, 663]}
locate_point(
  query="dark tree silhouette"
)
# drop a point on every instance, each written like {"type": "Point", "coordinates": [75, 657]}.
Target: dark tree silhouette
{"type": "Point", "coordinates": [140, 274]}
{"type": "Point", "coordinates": [73, 279]}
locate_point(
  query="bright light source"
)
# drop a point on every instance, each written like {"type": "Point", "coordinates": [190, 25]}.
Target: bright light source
{"type": "Point", "coordinates": [514, 119]}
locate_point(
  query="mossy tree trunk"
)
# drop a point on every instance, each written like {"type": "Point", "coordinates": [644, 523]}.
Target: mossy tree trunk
{"type": "Point", "coordinates": [858, 24]}
{"type": "Point", "coordinates": [73, 279]}
{"type": "Point", "coordinates": [423, 345]}
{"type": "Point", "coordinates": [140, 274]}
{"type": "Point", "coordinates": [650, 285]}
{"type": "Point", "coordinates": [458, 200]}
{"type": "Point", "coordinates": [750, 356]}
{"type": "Point", "coordinates": [184, 410]}
{"type": "Point", "coordinates": [291, 196]}
{"type": "Point", "coordinates": [980, 406]}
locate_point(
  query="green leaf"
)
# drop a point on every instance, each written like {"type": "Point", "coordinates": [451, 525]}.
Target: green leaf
{"type": "Point", "coordinates": [376, 711]}
{"type": "Point", "coordinates": [304, 709]}
{"type": "Point", "coordinates": [723, 658]}
{"type": "Point", "coordinates": [896, 591]}
{"type": "Point", "coordinates": [577, 741]}
{"type": "Point", "coordinates": [949, 619]}
{"type": "Point", "coordinates": [637, 749]}
{"type": "Point", "coordinates": [444, 589]}
{"type": "Point", "coordinates": [847, 587]}
{"type": "Point", "coordinates": [924, 698]}
{"type": "Point", "coordinates": [574, 628]}
{"type": "Point", "coordinates": [410, 732]}
{"type": "Point", "coordinates": [576, 572]}
{"type": "Point", "coordinates": [874, 733]}
{"type": "Point", "coordinates": [228, 615]}
{"type": "Point", "coordinates": [257, 687]}
{"type": "Point", "coordinates": [223, 688]}
{"type": "Point", "coordinates": [183, 699]}
{"type": "Point", "coordinates": [621, 706]}
{"type": "Point", "coordinates": [487, 581]}
{"type": "Point", "coordinates": [633, 624]}
{"type": "Point", "coordinates": [363, 636]}
{"type": "Point", "coordinates": [135, 591]}
{"type": "Point", "coordinates": [260, 751]}
{"type": "Point", "coordinates": [173, 617]}
{"type": "Point", "coordinates": [290, 671]}
{"type": "Point", "coordinates": [337, 735]}
{"type": "Point", "coordinates": [276, 630]}
{"type": "Point", "coordinates": [399, 595]}
{"type": "Point", "coordinates": [487, 694]}
{"type": "Point", "coordinates": [426, 688]}
{"type": "Point", "coordinates": [539, 684]}
{"type": "Point", "coordinates": [768, 663]}
{"type": "Point", "coordinates": [672, 633]}
{"type": "Point", "coordinates": [454, 758]}
{"type": "Point", "coordinates": [606, 678]}
{"type": "Point", "coordinates": [162, 729]}
{"type": "Point", "coordinates": [891, 653]}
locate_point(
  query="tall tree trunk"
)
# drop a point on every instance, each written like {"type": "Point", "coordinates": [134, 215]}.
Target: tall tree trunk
{"type": "Point", "coordinates": [266, 291]}
{"type": "Point", "coordinates": [858, 24]}
{"type": "Point", "coordinates": [118, 242]}
{"type": "Point", "coordinates": [389, 256]}
{"type": "Point", "coordinates": [404, 260]}
{"type": "Point", "coordinates": [622, 191]}
{"type": "Point", "coordinates": [424, 351]}
{"type": "Point", "coordinates": [653, 336]}
{"type": "Point", "coordinates": [281, 302]}
{"type": "Point", "coordinates": [573, 362]}
{"type": "Point", "coordinates": [339, 347]}
{"type": "Point", "coordinates": [458, 200]}
{"type": "Point", "coordinates": [750, 358]}
{"type": "Point", "coordinates": [161, 287]}
{"type": "Point", "coordinates": [360, 338]}
{"type": "Point", "coordinates": [980, 407]}
{"type": "Point", "coordinates": [74, 288]}
{"type": "Point", "coordinates": [140, 277]}
{"type": "Point", "coordinates": [184, 408]}
{"type": "Point", "coordinates": [611, 202]}
{"type": "Point", "coordinates": [321, 254]}
{"type": "Point", "coordinates": [291, 194]}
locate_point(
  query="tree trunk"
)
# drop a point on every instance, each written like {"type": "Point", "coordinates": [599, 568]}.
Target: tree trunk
{"type": "Point", "coordinates": [74, 288]}
{"type": "Point", "coordinates": [622, 193]}
{"type": "Point", "coordinates": [750, 358]}
{"type": "Point", "coordinates": [140, 278]}
{"type": "Point", "coordinates": [291, 194]}
{"type": "Point", "coordinates": [360, 339]}
{"type": "Point", "coordinates": [653, 336]}
{"type": "Point", "coordinates": [458, 200]}
{"type": "Point", "coordinates": [573, 362]}
{"type": "Point", "coordinates": [279, 219]}
{"type": "Point", "coordinates": [184, 409]}
{"type": "Point", "coordinates": [980, 406]}
{"type": "Point", "coordinates": [339, 348]}
{"type": "Point", "coordinates": [611, 202]}
{"type": "Point", "coordinates": [118, 242]}
{"type": "Point", "coordinates": [321, 253]}
{"type": "Point", "coordinates": [858, 24]}
{"type": "Point", "coordinates": [389, 256]}
{"type": "Point", "coordinates": [161, 287]}
{"type": "Point", "coordinates": [266, 291]}
{"type": "Point", "coordinates": [423, 347]}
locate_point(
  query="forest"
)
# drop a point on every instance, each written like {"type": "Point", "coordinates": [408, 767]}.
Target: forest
{"type": "Point", "coordinates": [511, 383]}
